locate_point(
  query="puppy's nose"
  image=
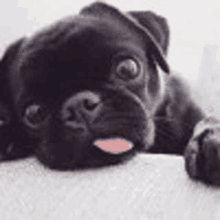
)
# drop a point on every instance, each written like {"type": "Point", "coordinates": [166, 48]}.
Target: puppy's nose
{"type": "Point", "coordinates": [82, 106]}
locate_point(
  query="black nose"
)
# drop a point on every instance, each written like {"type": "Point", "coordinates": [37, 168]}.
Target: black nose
{"type": "Point", "coordinates": [83, 105]}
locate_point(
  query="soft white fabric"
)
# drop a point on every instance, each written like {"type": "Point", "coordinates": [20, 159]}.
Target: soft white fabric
{"type": "Point", "coordinates": [147, 187]}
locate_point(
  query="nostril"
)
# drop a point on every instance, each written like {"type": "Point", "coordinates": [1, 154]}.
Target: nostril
{"type": "Point", "coordinates": [84, 104]}
{"type": "Point", "coordinates": [90, 104]}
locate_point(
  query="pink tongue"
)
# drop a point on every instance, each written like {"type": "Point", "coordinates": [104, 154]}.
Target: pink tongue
{"type": "Point", "coordinates": [114, 145]}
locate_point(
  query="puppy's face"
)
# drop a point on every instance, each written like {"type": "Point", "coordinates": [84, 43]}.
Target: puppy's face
{"type": "Point", "coordinates": [82, 80]}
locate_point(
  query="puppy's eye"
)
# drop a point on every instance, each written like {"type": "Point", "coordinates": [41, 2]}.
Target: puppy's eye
{"type": "Point", "coordinates": [34, 116]}
{"type": "Point", "coordinates": [127, 69]}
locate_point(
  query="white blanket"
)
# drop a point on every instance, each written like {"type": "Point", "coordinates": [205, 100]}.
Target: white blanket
{"type": "Point", "coordinates": [147, 187]}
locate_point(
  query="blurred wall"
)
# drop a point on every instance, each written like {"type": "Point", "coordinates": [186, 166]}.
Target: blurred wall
{"type": "Point", "coordinates": [193, 24]}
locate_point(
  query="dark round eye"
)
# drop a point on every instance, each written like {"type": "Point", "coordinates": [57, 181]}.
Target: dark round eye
{"type": "Point", "coordinates": [127, 69]}
{"type": "Point", "coordinates": [35, 115]}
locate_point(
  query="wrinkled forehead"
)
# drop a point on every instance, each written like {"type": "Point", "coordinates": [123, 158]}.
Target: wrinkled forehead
{"type": "Point", "coordinates": [82, 34]}
{"type": "Point", "coordinates": [75, 50]}
{"type": "Point", "coordinates": [105, 29]}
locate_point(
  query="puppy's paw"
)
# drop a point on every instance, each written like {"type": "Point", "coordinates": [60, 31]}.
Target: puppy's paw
{"type": "Point", "coordinates": [202, 155]}
{"type": "Point", "coordinates": [6, 144]}
{"type": "Point", "coordinates": [14, 143]}
{"type": "Point", "coordinates": [14, 146]}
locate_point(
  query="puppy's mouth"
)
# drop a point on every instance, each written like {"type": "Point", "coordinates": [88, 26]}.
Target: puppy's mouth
{"type": "Point", "coordinates": [105, 152]}
{"type": "Point", "coordinates": [106, 143]}
{"type": "Point", "coordinates": [100, 152]}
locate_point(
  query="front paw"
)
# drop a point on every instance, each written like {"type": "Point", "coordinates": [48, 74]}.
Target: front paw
{"type": "Point", "coordinates": [14, 144]}
{"type": "Point", "coordinates": [202, 155]}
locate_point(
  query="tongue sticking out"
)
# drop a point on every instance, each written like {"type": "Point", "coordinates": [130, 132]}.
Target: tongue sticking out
{"type": "Point", "coordinates": [114, 145]}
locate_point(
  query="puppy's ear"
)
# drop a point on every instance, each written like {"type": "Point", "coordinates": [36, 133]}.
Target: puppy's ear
{"type": "Point", "coordinates": [157, 26]}
{"type": "Point", "coordinates": [5, 64]}
{"type": "Point", "coordinates": [10, 54]}
{"type": "Point", "coordinates": [140, 23]}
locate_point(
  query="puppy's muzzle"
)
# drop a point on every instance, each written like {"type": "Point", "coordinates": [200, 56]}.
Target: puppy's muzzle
{"type": "Point", "coordinates": [90, 118]}
{"type": "Point", "coordinates": [81, 111]}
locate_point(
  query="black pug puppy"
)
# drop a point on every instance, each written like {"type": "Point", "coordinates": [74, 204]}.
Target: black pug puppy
{"type": "Point", "coordinates": [98, 75]}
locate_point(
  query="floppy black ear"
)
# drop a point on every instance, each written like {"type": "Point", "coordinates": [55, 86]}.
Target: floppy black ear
{"type": "Point", "coordinates": [142, 23]}
{"type": "Point", "coordinates": [5, 64]}
{"type": "Point", "coordinates": [11, 53]}
{"type": "Point", "coordinates": [157, 25]}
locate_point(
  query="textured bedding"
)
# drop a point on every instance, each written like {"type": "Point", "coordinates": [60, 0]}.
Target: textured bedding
{"type": "Point", "coordinates": [147, 187]}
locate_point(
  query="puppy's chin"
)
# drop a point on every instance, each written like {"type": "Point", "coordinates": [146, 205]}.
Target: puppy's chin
{"type": "Point", "coordinates": [95, 156]}
{"type": "Point", "coordinates": [98, 148]}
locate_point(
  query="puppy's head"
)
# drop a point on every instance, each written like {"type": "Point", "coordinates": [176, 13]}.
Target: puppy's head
{"type": "Point", "coordinates": [88, 78]}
